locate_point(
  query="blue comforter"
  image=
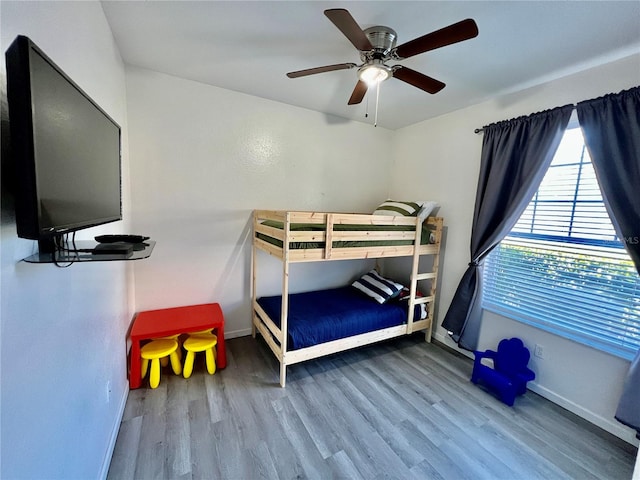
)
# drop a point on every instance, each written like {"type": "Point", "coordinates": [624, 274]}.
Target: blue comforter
{"type": "Point", "coordinates": [325, 315]}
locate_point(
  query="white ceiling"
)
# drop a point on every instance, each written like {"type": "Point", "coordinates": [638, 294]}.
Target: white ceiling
{"type": "Point", "coordinates": [250, 46]}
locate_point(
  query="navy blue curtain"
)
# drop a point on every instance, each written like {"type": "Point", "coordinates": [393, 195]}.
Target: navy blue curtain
{"type": "Point", "coordinates": [515, 156]}
{"type": "Point", "coordinates": [611, 127]}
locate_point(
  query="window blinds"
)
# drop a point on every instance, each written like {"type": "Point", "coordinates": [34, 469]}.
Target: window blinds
{"type": "Point", "coordinates": [562, 268]}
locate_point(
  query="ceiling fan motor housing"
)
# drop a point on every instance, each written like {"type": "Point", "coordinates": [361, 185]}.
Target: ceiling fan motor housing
{"type": "Point", "coordinates": [383, 40]}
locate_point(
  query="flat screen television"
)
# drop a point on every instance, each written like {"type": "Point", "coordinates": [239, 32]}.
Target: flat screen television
{"type": "Point", "coordinates": [65, 150]}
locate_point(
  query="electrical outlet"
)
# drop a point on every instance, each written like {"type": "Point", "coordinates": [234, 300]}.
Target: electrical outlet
{"type": "Point", "coordinates": [108, 391]}
{"type": "Point", "coordinates": [539, 351]}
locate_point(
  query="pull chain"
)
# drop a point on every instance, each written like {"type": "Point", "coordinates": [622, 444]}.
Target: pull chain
{"type": "Point", "coordinates": [366, 108]}
{"type": "Point", "coordinates": [375, 121]}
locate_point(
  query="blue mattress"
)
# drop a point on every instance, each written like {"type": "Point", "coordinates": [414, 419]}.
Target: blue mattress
{"type": "Point", "coordinates": [325, 315]}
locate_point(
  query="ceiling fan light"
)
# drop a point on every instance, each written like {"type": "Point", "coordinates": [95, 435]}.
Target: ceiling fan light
{"type": "Point", "coordinates": [374, 74]}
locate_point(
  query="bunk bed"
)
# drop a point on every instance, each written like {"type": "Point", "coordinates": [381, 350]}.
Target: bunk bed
{"type": "Point", "coordinates": [292, 237]}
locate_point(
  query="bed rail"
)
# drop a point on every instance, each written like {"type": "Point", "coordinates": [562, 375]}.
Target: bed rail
{"type": "Point", "coordinates": [265, 234]}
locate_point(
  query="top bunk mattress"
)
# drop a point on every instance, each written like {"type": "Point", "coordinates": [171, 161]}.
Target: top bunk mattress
{"type": "Point", "coordinates": [326, 315]}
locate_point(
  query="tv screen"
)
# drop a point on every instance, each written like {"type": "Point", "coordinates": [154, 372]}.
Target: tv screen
{"type": "Point", "coordinates": [66, 149]}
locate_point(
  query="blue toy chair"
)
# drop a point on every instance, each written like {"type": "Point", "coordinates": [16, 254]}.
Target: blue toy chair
{"type": "Point", "coordinates": [510, 374]}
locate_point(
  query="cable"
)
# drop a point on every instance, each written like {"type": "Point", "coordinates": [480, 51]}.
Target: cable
{"type": "Point", "coordinates": [59, 247]}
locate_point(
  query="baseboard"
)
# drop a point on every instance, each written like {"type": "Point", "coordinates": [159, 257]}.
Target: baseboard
{"type": "Point", "coordinates": [438, 336]}
{"type": "Point", "coordinates": [237, 333]}
{"type": "Point", "coordinates": [104, 470]}
{"type": "Point", "coordinates": [448, 343]}
{"type": "Point", "coordinates": [611, 426]}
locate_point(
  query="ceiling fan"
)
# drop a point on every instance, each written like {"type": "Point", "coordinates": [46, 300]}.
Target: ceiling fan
{"type": "Point", "coordinates": [377, 46]}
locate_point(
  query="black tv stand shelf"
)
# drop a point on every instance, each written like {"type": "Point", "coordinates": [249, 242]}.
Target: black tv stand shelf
{"type": "Point", "coordinates": [62, 256]}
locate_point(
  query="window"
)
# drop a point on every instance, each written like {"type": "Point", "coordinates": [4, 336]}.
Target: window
{"type": "Point", "coordinates": [562, 267]}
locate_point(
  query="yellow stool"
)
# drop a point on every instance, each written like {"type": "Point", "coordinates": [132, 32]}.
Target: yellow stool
{"type": "Point", "coordinates": [202, 342]}
{"type": "Point", "coordinates": [154, 351]}
{"type": "Point", "coordinates": [164, 361]}
{"type": "Point", "coordinates": [202, 332]}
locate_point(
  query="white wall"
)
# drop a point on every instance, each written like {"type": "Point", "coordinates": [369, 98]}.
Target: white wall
{"type": "Point", "coordinates": [62, 336]}
{"type": "Point", "coordinates": [440, 159]}
{"type": "Point", "coordinates": [205, 157]}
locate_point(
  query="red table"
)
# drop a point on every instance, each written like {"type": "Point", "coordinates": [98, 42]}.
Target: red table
{"type": "Point", "coordinates": [171, 321]}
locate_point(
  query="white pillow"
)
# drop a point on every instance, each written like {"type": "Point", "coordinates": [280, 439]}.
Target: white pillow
{"type": "Point", "coordinates": [427, 208]}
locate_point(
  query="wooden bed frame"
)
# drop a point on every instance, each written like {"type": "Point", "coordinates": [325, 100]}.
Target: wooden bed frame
{"type": "Point", "coordinates": [275, 336]}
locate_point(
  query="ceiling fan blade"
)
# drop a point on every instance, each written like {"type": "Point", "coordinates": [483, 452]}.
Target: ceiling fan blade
{"type": "Point", "coordinates": [326, 68]}
{"type": "Point", "coordinates": [454, 33]}
{"type": "Point", "coordinates": [358, 93]}
{"type": "Point", "coordinates": [417, 79]}
{"type": "Point", "coordinates": [342, 19]}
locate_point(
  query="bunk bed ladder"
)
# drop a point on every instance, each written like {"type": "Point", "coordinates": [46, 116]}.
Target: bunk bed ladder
{"type": "Point", "coordinates": [433, 276]}
{"type": "Point", "coordinates": [414, 276]}
{"type": "Point", "coordinates": [417, 276]}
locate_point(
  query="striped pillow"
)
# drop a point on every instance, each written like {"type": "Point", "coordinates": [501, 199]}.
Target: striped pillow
{"type": "Point", "coordinates": [398, 208]}
{"type": "Point", "coordinates": [377, 287]}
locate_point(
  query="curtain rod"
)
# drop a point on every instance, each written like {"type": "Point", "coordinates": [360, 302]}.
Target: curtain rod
{"type": "Point", "coordinates": [480, 130]}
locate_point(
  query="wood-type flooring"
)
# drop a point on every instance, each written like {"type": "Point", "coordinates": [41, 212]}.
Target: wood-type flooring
{"type": "Point", "coordinates": [401, 409]}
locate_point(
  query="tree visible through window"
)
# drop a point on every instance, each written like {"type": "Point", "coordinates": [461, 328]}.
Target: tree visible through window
{"type": "Point", "coordinates": [562, 267]}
